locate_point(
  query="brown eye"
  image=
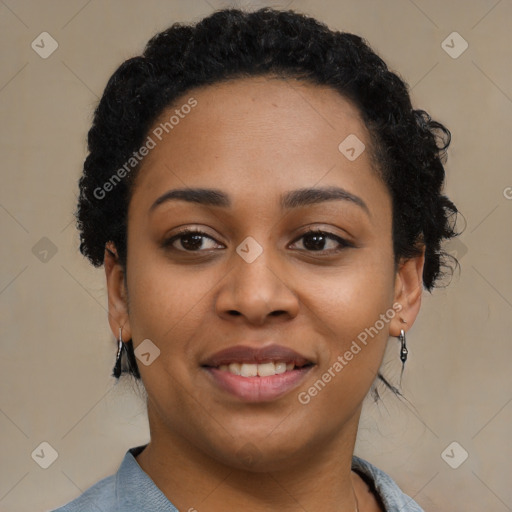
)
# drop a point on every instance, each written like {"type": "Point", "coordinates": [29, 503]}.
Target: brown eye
{"type": "Point", "coordinates": [191, 240]}
{"type": "Point", "coordinates": [315, 240]}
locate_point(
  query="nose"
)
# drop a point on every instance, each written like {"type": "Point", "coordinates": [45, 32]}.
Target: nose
{"type": "Point", "coordinates": [257, 291]}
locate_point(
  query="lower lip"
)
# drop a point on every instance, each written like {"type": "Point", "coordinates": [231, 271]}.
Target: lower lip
{"type": "Point", "coordinates": [258, 389]}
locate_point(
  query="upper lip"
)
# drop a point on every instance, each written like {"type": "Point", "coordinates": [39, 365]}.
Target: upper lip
{"type": "Point", "coordinates": [256, 355]}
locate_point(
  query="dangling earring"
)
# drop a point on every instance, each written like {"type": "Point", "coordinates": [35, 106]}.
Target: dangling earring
{"type": "Point", "coordinates": [403, 350]}
{"type": "Point", "coordinates": [116, 372]}
{"type": "Point", "coordinates": [403, 347]}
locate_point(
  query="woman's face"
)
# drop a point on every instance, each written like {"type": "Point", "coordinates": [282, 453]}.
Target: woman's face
{"type": "Point", "coordinates": [254, 288]}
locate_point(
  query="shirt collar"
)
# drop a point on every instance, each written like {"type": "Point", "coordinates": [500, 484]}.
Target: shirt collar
{"type": "Point", "coordinates": [386, 489]}
{"type": "Point", "coordinates": [134, 488]}
{"type": "Point", "coordinates": [136, 491]}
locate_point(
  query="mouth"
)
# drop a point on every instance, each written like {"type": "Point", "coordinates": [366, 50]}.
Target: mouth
{"type": "Point", "coordinates": [260, 370]}
{"type": "Point", "coordinates": [257, 375]}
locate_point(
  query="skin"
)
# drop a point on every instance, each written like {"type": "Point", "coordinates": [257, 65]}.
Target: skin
{"type": "Point", "coordinates": [255, 139]}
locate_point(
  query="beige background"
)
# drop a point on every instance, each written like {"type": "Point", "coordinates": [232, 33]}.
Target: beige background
{"type": "Point", "coordinates": [57, 351]}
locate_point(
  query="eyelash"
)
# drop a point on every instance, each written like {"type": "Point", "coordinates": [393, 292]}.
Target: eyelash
{"type": "Point", "coordinates": [185, 232]}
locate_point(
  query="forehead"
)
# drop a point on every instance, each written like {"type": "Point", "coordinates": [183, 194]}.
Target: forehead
{"type": "Point", "coordinates": [258, 135]}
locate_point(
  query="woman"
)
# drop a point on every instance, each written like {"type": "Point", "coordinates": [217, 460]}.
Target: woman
{"type": "Point", "coordinates": [268, 208]}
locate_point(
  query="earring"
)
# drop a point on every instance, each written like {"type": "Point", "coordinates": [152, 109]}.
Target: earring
{"type": "Point", "coordinates": [403, 347]}
{"type": "Point", "coordinates": [116, 372]}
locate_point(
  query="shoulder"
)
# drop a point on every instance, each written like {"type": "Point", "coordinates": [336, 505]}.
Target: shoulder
{"type": "Point", "coordinates": [102, 492]}
{"type": "Point", "coordinates": [385, 487]}
{"type": "Point", "coordinates": [128, 490]}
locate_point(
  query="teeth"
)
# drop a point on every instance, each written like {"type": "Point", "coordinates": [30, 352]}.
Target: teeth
{"type": "Point", "coordinates": [261, 370]}
{"type": "Point", "coordinates": [248, 370]}
{"type": "Point", "coordinates": [281, 367]}
{"type": "Point", "coordinates": [267, 369]}
{"type": "Point", "coordinates": [234, 368]}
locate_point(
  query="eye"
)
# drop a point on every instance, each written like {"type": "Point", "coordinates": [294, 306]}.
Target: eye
{"type": "Point", "coordinates": [191, 240]}
{"type": "Point", "coordinates": [315, 240]}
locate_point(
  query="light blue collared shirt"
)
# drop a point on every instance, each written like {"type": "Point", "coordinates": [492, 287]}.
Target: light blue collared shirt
{"type": "Point", "coordinates": [132, 490]}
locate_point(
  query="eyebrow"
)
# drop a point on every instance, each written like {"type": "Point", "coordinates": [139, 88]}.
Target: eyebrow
{"type": "Point", "coordinates": [290, 200]}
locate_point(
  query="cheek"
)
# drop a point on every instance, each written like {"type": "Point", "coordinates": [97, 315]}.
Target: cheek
{"type": "Point", "coordinates": [352, 310]}
{"type": "Point", "coordinates": [169, 305]}
{"type": "Point", "coordinates": [351, 297]}
{"type": "Point", "coordinates": [349, 364]}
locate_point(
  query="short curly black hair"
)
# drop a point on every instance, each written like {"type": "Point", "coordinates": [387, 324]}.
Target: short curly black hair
{"type": "Point", "coordinates": [409, 146]}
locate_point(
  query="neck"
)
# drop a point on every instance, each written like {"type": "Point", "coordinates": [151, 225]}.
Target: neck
{"type": "Point", "coordinates": [318, 478]}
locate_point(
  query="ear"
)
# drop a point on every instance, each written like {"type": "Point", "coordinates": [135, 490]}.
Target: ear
{"type": "Point", "coordinates": [117, 294]}
{"type": "Point", "coordinates": [408, 291]}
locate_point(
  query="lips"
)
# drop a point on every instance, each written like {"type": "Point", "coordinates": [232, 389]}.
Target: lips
{"type": "Point", "coordinates": [260, 374]}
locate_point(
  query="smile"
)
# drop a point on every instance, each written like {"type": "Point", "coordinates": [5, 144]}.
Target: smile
{"type": "Point", "coordinates": [260, 370]}
{"type": "Point", "coordinates": [261, 374]}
